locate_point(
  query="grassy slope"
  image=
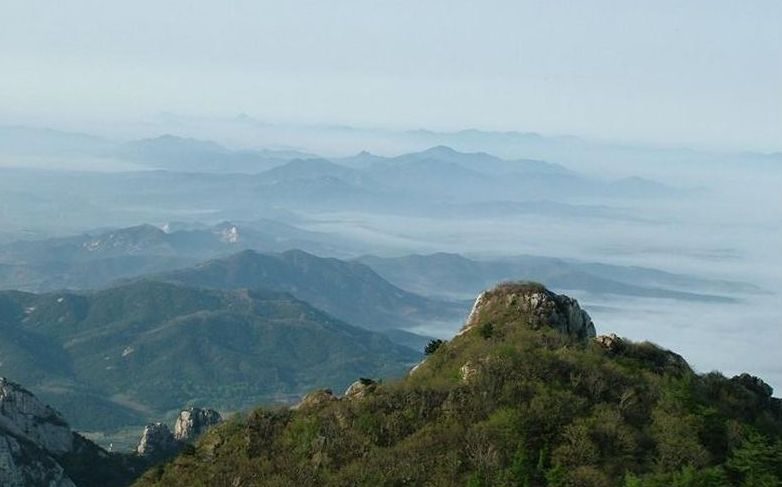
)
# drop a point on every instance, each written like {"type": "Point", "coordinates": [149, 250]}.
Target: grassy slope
{"type": "Point", "coordinates": [541, 408]}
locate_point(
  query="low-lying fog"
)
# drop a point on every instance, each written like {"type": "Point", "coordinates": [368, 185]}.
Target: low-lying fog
{"type": "Point", "coordinates": [721, 218]}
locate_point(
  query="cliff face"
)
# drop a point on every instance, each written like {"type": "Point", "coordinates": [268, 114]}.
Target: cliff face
{"type": "Point", "coordinates": [192, 422]}
{"type": "Point", "coordinates": [158, 442]}
{"type": "Point", "coordinates": [38, 448]}
{"type": "Point", "coordinates": [31, 436]}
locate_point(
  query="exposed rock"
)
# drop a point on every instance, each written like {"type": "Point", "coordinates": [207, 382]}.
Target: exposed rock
{"type": "Point", "coordinates": [316, 399]}
{"type": "Point", "coordinates": [541, 306]}
{"type": "Point", "coordinates": [23, 415]}
{"type": "Point", "coordinates": [610, 342]}
{"type": "Point", "coordinates": [468, 371]}
{"type": "Point", "coordinates": [156, 441]}
{"type": "Point", "coordinates": [38, 448]}
{"type": "Point", "coordinates": [23, 464]}
{"type": "Point", "coordinates": [416, 367]}
{"type": "Point", "coordinates": [472, 368]}
{"type": "Point", "coordinates": [192, 422]}
{"type": "Point", "coordinates": [360, 388]}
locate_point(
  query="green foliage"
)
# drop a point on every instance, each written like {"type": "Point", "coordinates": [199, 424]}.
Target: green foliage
{"type": "Point", "coordinates": [527, 407]}
{"type": "Point", "coordinates": [134, 353]}
{"type": "Point", "coordinates": [432, 346]}
{"type": "Point", "coordinates": [486, 330]}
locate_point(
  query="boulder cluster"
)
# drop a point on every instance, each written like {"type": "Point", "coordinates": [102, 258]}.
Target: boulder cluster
{"type": "Point", "coordinates": [157, 440]}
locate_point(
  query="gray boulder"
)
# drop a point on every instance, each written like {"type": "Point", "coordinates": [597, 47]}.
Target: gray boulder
{"type": "Point", "coordinates": [360, 389]}
{"type": "Point", "coordinates": [192, 422]}
{"type": "Point", "coordinates": [157, 441]}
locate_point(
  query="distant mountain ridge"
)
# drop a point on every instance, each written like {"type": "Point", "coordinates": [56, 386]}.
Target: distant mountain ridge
{"type": "Point", "coordinates": [443, 274]}
{"type": "Point", "coordinates": [348, 290]}
{"type": "Point", "coordinates": [99, 258]}
{"type": "Point", "coordinates": [193, 155]}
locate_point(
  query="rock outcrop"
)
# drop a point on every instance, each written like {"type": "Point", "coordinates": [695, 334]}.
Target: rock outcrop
{"type": "Point", "coordinates": [360, 389]}
{"type": "Point", "coordinates": [540, 306]}
{"type": "Point", "coordinates": [157, 441]}
{"type": "Point", "coordinates": [32, 436]}
{"type": "Point", "coordinates": [610, 342]}
{"type": "Point", "coordinates": [24, 464]}
{"type": "Point", "coordinates": [24, 415]}
{"type": "Point", "coordinates": [38, 448]}
{"type": "Point", "coordinates": [193, 421]}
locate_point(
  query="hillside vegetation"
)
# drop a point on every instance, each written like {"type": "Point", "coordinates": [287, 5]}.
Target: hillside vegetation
{"type": "Point", "coordinates": [137, 352]}
{"type": "Point", "coordinates": [521, 397]}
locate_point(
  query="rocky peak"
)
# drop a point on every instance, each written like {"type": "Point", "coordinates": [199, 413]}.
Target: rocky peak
{"type": "Point", "coordinates": [24, 416]}
{"type": "Point", "coordinates": [156, 441]}
{"type": "Point", "coordinates": [38, 448]}
{"type": "Point", "coordinates": [537, 304]}
{"type": "Point", "coordinates": [192, 422]}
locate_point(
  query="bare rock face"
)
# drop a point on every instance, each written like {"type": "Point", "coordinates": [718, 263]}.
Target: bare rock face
{"type": "Point", "coordinates": [22, 464]}
{"type": "Point", "coordinates": [610, 342]}
{"type": "Point", "coordinates": [192, 422]}
{"type": "Point", "coordinates": [32, 436]}
{"type": "Point", "coordinates": [468, 371]}
{"type": "Point", "coordinates": [541, 306]}
{"type": "Point", "coordinates": [360, 389]}
{"type": "Point", "coordinates": [24, 415]}
{"type": "Point", "coordinates": [156, 441]}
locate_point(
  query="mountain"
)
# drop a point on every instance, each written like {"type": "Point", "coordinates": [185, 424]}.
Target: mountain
{"type": "Point", "coordinates": [194, 155]}
{"type": "Point", "coordinates": [443, 171]}
{"type": "Point", "coordinates": [38, 448]}
{"type": "Point", "coordinates": [455, 276]}
{"type": "Point", "coordinates": [481, 162]}
{"type": "Point", "coordinates": [16, 140]}
{"type": "Point", "coordinates": [350, 291]}
{"type": "Point", "coordinates": [98, 258]}
{"type": "Point", "coordinates": [525, 394]}
{"type": "Point", "coordinates": [309, 169]}
{"type": "Point", "coordinates": [119, 356]}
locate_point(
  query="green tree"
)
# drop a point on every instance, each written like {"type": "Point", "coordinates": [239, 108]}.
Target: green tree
{"type": "Point", "coordinates": [433, 345]}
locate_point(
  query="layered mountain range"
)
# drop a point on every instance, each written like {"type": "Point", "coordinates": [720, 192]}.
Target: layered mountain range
{"type": "Point", "coordinates": [525, 393]}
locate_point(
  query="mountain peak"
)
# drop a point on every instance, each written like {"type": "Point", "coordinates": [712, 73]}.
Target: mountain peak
{"type": "Point", "coordinates": [532, 303]}
{"type": "Point", "coordinates": [440, 150]}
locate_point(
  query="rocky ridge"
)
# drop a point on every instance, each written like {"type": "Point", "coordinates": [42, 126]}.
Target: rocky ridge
{"type": "Point", "coordinates": [192, 421]}
{"type": "Point", "coordinates": [157, 441]}
{"type": "Point", "coordinates": [541, 306]}
{"type": "Point", "coordinates": [526, 394]}
{"type": "Point", "coordinates": [38, 448]}
{"type": "Point", "coordinates": [32, 435]}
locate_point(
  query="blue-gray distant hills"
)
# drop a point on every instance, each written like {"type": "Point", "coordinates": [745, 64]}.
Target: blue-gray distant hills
{"type": "Point", "coordinates": [455, 276]}
{"type": "Point", "coordinates": [98, 258]}
{"type": "Point", "coordinates": [348, 290]}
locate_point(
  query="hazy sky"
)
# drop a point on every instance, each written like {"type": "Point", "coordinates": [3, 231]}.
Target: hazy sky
{"type": "Point", "coordinates": [705, 73]}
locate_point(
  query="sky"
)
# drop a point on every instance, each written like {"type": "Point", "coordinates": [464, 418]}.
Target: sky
{"type": "Point", "coordinates": [706, 74]}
